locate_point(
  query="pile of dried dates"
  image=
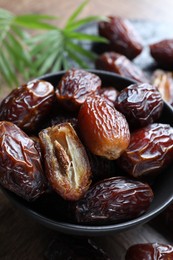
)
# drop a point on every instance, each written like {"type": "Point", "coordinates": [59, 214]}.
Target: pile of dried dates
{"type": "Point", "coordinates": [124, 45]}
{"type": "Point", "coordinates": [89, 144]}
{"type": "Point", "coordinates": [93, 146]}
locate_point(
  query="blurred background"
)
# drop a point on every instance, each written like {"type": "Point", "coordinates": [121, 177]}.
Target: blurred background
{"type": "Point", "coordinates": [157, 10]}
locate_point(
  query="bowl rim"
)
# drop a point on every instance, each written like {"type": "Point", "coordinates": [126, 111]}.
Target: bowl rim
{"type": "Point", "coordinates": [79, 229]}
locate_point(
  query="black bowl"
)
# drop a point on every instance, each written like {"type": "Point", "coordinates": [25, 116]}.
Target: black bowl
{"type": "Point", "coordinates": [43, 209]}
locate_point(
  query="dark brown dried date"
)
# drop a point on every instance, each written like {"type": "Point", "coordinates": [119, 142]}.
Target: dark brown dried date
{"type": "Point", "coordinates": [162, 52]}
{"type": "Point", "coordinates": [75, 86]}
{"type": "Point", "coordinates": [150, 151]}
{"type": "Point", "coordinates": [101, 168]}
{"type": "Point", "coordinates": [73, 248]}
{"type": "Point", "coordinates": [114, 62]}
{"type": "Point", "coordinates": [66, 162]}
{"type": "Point", "coordinates": [28, 105]}
{"type": "Point", "coordinates": [109, 93]}
{"type": "Point", "coordinates": [113, 200]}
{"type": "Point", "coordinates": [140, 103]}
{"type": "Point", "coordinates": [123, 37]}
{"type": "Point", "coordinates": [20, 167]}
{"type": "Point", "coordinates": [59, 119]}
{"type": "Point", "coordinates": [149, 251]}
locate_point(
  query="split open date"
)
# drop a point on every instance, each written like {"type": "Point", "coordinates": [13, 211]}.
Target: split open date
{"type": "Point", "coordinates": [53, 138]}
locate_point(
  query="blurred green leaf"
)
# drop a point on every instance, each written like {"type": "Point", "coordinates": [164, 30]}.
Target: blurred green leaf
{"type": "Point", "coordinates": [76, 13]}
{"type": "Point", "coordinates": [49, 50]}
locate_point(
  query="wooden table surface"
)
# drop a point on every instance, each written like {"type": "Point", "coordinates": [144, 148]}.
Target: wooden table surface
{"type": "Point", "coordinates": [22, 237]}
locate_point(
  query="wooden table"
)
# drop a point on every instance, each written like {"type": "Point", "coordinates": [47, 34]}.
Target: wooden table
{"type": "Point", "coordinates": [20, 236]}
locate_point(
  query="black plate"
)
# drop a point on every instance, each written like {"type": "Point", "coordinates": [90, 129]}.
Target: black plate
{"type": "Point", "coordinates": [43, 211]}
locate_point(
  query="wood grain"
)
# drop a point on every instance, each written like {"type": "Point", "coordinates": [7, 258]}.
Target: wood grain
{"type": "Point", "coordinates": [23, 238]}
{"type": "Point", "coordinates": [146, 9]}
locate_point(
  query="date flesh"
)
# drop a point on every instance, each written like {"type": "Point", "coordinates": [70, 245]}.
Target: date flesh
{"type": "Point", "coordinates": [140, 103]}
{"type": "Point", "coordinates": [162, 52]}
{"type": "Point", "coordinates": [122, 36]}
{"type": "Point", "coordinates": [150, 151]}
{"type": "Point", "coordinates": [113, 200]}
{"type": "Point", "coordinates": [20, 166]}
{"type": "Point", "coordinates": [75, 86]}
{"type": "Point", "coordinates": [66, 162]}
{"type": "Point", "coordinates": [28, 105]}
{"type": "Point", "coordinates": [149, 251]}
{"type": "Point", "coordinates": [114, 62]}
{"type": "Point", "coordinates": [103, 129]}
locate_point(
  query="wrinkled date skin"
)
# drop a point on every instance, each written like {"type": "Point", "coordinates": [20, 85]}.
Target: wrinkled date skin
{"type": "Point", "coordinates": [73, 248]}
{"type": "Point", "coordinates": [113, 200]}
{"type": "Point", "coordinates": [163, 81]}
{"type": "Point", "coordinates": [20, 166]}
{"type": "Point", "coordinates": [110, 94]}
{"type": "Point", "coordinates": [150, 150]}
{"type": "Point", "coordinates": [140, 103]}
{"type": "Point", "coordinates": [28, 105]}
{"type": "Point", "coordinates": [162, 52]}
{"type": "Point", "coordinates": [103, 129]}
{"type": "Point", "coordinates": [123, 37]}
{"type": "Point", "coordinates": [75, 86]}
{"type": "Point", "coordinates": [114, 62]}
{"type": "Point", "coordinates": [66, 162]}
{"type": "Point", "coordinates": [149, 251]}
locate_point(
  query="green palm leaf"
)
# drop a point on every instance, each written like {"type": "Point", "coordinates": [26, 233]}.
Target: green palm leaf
{"type": "Point", "coordinates": [51, 49]}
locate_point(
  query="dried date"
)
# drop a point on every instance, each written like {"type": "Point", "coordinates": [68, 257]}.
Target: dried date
{"type": "Point", "coordinates": [109, 93]}
{"type": "Point", "coordinates": [163, 81]}
{"type": "Point", "coordinates": [149, 251]}
{"type": "Point", "coordinates": [66, 162]}
{"type": "Point", "coordinates": [103, 129]}
{"type": "Point", "coordinates": [28, 105]}
{"type": "Point", "coordinates": [20, 166]}
{"type": "Point", "coordinates": [162, 52]}
{"type": "Point", "coordinates": [140, 103]}
{"type": "Point", "coordinates": [114, 62]}
{"type": "Point", "coordinates": [150, 151]}
{"type": "Point", "coordinates": [122, 36]}
{"type": "Point", "coordinates": [75, 86]}
{"type": "Point", "coordinates": [113, 200]}
{"type": "Point", "coordinates": [101, 168]}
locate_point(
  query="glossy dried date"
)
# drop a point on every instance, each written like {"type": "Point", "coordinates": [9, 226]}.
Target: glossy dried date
{"type": "Point", "coordinates": [149, 151]}
{"type": "Point", "coordinates": [123, 37]}
{"type": "Point", "coordinates": [150, 251]}
{"type": "Point", "coordinates": [20, 166]}
{"type": "Point", "coordinates": [109, 93]}
{"type": "Point", "coordinates": [114, 62]}
{"type": "Point", "coordinates": [140, 103]}
{"type": "Point", "coordinates": [163, 81]}
{"type": "Point", "coordinates": [103, 129]}
{"type": "Point", "coordinates": [66, 162]}
{"type": "Point", "coordinates": [113, 200]}
{"type": "Point", "coordinates": [28, 105]}
{"type": "Point", "coordinates": [75, 86]}
{"type": "Point", "coordinates": [162, 52]}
